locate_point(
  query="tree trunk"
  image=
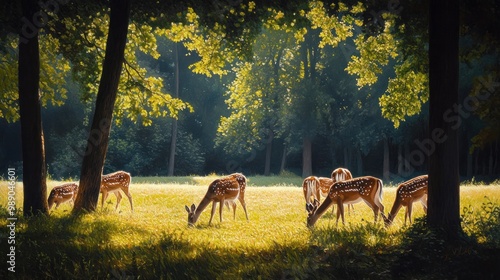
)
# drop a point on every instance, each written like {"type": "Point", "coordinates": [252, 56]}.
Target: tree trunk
{"type": "Point", "coordinates": [491, 161]}
{"type": "Point", "coordinates": [34, 169]}
{"type": "Point", "coordinates": [444, 182]}
{"type": "Point", "coordinates": [173, 141]}
{"type": "Point", "coordinates": [307, 157]}
{"type": "Point", "coordinates": [359, 163]}
{"type": "Point", "coordinates": [269, 147]}
{"type": "Point", "coordinates": [283, 160]}
{"type": "Point", "coordinates": [400, 160]}
{"type": "Point", "coordinates": [469, 165]}
{"type": "Point", "coordinates": [386, 164]}
{"type": "Point", "coordinates": [495, 167]}
{"type": "Point", "coordinates": [97, 144]}
{"type": "Point", "coordinates": [347, 158]}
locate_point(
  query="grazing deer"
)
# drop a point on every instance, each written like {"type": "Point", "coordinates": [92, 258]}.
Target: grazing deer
{"type": "Point", "coordinates": [338, 175]}
{"type": "Point", "coordinates": [365, 188]}
{"type": "Point", "coordinates": [62, 193]}
{"type": "Point", "coordinates": [242, 181]}
{"type": "Point", "coordinates": [226, 189]}
{"type": "Point", "coordinates": [113, 183]}
{"type": "Point", "coordinates": [407, 193]}
{"type": "Point", "coordinates": [313, 186]}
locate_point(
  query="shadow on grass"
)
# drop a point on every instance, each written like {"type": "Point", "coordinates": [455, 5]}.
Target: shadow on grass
{"type": "Point", "coordinates": [369, 251]}
{"type": "Point", "coordinates": [79, 247]}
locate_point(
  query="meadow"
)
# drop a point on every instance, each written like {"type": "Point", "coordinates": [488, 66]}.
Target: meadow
{"type": "Point", "coordinates": [154, 241]}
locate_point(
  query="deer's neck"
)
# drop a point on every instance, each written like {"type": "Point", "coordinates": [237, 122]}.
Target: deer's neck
{"type": "Point", "coordinates": [394, 209]}
{"type": "Point", "coordinates": [321, 210]}
{"type": "Point", "coordinates": [203, 204]}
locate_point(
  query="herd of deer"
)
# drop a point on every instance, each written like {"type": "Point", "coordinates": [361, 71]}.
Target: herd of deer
{"type": "Point", "coordinates": [110, 183]}
{"type": "Point", "coordinates": [340, 189]}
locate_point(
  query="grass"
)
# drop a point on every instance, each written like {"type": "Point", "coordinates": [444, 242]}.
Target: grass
{"type": "Point", "coordinates": [154, 242]}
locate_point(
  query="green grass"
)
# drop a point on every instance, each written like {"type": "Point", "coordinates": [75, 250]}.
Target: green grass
{"type": "Point", "coordinates": [154, 242]}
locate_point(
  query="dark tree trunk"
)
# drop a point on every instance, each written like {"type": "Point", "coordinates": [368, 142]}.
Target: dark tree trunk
{"type": "Point", "coordinates": [400, 160]}
{"type": "Point", "coordinates": [444, 183]}
{"type": "Point", "coordinates": [173, 142]}
{"type": "Point", "coordinates": [97, 144]}
{"type": "Point", "coordinates": [359, 163]}
{"type": "Point", "coordinates": [491, 161]}
{"type": "Point", "coordinates": [34, 169]}
{"type": "Point", "coordinates": [386, 164]}
{"type": "Point", "coordinates": [347, 158]}
{"type": "Point", "coordinates": [469, 165]}
{"type": "Point", "coordinates": [269, 149]}
{"type": "Point", "coordinates": [283, 159]}
{"type": "Point", "coordinates": [307, 157]}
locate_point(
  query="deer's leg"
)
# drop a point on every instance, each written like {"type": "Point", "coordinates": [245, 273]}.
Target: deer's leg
{"type": "Point", "coordinates": [234, 210]}
{"type": "Point", "coordinates": [243, 203]}
{"type": "Point", "coordinates": [374, 207]}
{"type": "Point", "coordinates": [214, 205]}
{"type": "Point", "coordinates": [424, 203]}
{"type": "Point", "coordinates": [118, 198]}
{"type": "Point", "coordinates": [341, 208]}
{"type": "Point", "coordinates": [104, 197]}
{"type": "Point", "coordinates": [220, 209]}
{"type": "Point", "coordinates": [127, 193]}
{"type": "Point", "coordinates": [340, 211]}
{"type": "Point", "coordinates": [409, 209]}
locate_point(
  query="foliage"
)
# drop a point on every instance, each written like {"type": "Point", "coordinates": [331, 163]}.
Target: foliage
{"type": "Point", "coordinates": [483, 223]}
{"type": "Point", "coordinates": [141, 96]}
{"type": "Point", "coordinates": [257, 94]}
{"type": "Point", "coordinates": [53, 70]}
{"type": "Point", "coordinates": [485, 94]}
{"type": "Point", "coordinates": [409, 87]}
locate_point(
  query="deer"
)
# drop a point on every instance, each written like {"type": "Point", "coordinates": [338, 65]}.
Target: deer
{"type": "Point", "coordinates": [367, 188]}
{"type": "Point", "coordinates": [313, 186]}
{"type": "Point", "coordinates": [225, 189]}
{"type": "Point", "coordinates": [62, 193]}
{"type": "Point", "coordinates": [408, 193]}
{"type": "Point", "coordinates": [114, 183]}
{"type": "Point", "coordinates": [242, 181]}
{"type": "Point", "coordinates": [338, 175]}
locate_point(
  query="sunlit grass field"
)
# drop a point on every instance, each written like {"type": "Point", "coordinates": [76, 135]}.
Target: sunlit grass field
{"type": "Point", "coordinates": [154, 241]}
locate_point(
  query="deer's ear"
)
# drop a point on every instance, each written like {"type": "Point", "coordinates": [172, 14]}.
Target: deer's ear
{"type": "Point", "coordinates": [187, 208]}
{"type": "Point", "coordinates": [193, 207]}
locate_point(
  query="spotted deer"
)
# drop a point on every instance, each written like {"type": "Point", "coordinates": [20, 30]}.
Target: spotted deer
{"type": "Point", "coordinates": [338, 175]}
{"type": "Point", "coordinates": [62, 193]}
{"type": "Point", "coordinates": [408, 193]}
{"type": "Point", "coordinates": [225, 189]}
{"type": "Point", "coordinates": [313, 186]}
{"type": "Point", "coordinates": [242, 181]}
{"type": "Point", "coordinates": [114, 183]}
{"type": "Point", "coordinates": [368, 189]}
